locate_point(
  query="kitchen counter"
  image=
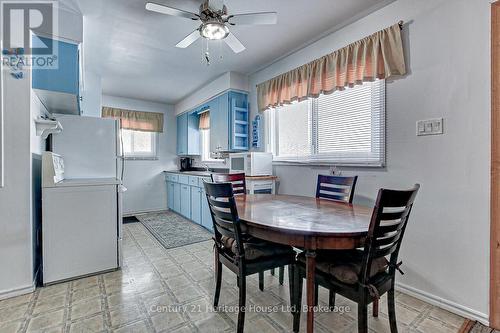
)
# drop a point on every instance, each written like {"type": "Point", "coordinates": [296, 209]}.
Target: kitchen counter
{"type": "Point", "coordinates": [183, 180]}
{"type": "Point", "coordinates": [190, 173]}
{"type": "Point", "coordinates": [207, 174]}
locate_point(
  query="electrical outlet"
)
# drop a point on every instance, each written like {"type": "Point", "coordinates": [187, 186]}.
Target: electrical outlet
{"type": "Point", "coordinates": [334, 171]}
{"type": "Point", "coordinates": [430, 127]}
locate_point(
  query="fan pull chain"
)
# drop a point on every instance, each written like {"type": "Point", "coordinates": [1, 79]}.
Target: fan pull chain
{"type": "Point", "coordinates": [207, 55]}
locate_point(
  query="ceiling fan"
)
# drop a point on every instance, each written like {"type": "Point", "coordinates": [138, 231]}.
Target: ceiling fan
{"type": "Point", "coordinates": [215, 22]}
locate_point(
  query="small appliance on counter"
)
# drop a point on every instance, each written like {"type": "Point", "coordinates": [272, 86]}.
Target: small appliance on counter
{"type": "Point", "coordinates": [251, 163]}
{"type": "Point", "coordinates": [186, 163]}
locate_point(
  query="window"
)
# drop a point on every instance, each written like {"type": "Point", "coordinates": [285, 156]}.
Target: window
{"type": "Point", "coordinates": [205, 144]}
{"type": "Point", "coordinates": [344, 128]}
{"type": "Point", "coordinates": [139, 145]}
{"type": "Point", "coordinates": [205, 137]}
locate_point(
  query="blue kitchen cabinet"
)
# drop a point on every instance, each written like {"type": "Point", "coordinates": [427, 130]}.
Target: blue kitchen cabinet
{"type": "Point", "coordinates": [177, 197]}
{"type": "Point", "coordinates": [185, 197]}
{"type": "Point", "coordinates": [193, 134]}
{"type": "Point", "coordinates": [229, 123]}
{"type": "Point", "coordinates": [196, 204]}
{"type": "Point", "coordinates": [238, 121]}
{"type": "Point", "coordinates": [206, 217]}
{"type": "Point", "coordinates": [182, 134]}
{"type": "Point", "coordinates": [170, 195]}
{"type": "Point", "coordinates": [219, 124]}
{"type": "Point", "coordinates": [66, 76]}
{"type": "Point", "coordinates": [58, 86]}
{"type": "Point", "coordinates": [188, 134]}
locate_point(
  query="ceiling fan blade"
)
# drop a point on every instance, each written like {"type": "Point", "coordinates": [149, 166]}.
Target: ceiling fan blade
{"type": "Point", "coordinates": [234, 43]}
{"type": "Point", "coordinates": [253, 18]}
{"type": "Point", "coordinates": [190, 39]}
{"type": "Point", "coordinates": [162, 9]}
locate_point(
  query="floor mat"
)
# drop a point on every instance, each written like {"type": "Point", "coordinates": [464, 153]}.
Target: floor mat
{"type": "Point", "coordinates": [173, 230]}
{"type": "Point", "coordinates": [471, 326]}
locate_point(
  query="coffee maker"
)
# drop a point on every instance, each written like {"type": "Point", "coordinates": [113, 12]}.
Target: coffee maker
{"type": "Point", "coordinates": [186, 163]}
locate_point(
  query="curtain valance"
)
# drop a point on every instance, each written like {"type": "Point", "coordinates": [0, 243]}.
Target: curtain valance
{"type": "Point", "coordinates": [136, 120]}
{"type": "Point", "coordinates": [379, 56]}
{"type": "Point", "coordinates": [205, 120]}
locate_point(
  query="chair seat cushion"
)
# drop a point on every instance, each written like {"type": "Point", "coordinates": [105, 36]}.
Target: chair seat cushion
{"type": "Point", "coordinates": [345, 266]}
{"type": "Point", "coordinates": [257, 248]}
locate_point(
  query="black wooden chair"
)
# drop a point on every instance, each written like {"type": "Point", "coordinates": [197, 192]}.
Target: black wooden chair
{"type": "Point", "coordinates": [339, 189]}
{"type": "Point", "coordinates": [336, 188]}
{"type": "Point", "coordinates": [239, 188]}
{"type": "Point", "coordinates": [236, 179]}
{"type": "Point", "coordinates": [241, 253]}
{"type": "Point", "coordinates": [364, 275]}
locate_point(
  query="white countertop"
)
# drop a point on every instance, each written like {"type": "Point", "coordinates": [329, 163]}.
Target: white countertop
{"type": "Point", "coordinates": [88, 182]}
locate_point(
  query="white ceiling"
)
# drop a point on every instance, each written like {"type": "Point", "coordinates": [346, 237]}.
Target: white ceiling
{"type": "Point", "coordinates": [133, 49]}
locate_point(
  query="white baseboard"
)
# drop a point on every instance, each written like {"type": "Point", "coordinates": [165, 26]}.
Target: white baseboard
{"type": "Point", "coordinates": [444, 304]}
{"type": "Point", "coordinates": [17, 292]}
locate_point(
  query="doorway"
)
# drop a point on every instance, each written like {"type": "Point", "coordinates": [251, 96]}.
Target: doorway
{"type": "Point", "coordinates": [495, 168]}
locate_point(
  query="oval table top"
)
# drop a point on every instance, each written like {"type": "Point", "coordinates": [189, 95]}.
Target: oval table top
{"type": "Point", "coordinates": [304, 216]}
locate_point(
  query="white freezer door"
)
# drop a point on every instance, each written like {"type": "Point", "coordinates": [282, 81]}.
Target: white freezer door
{"type": "Point", "coordinates": [88, 145]}
{"type": "Point", "coordinates": [79, 228]}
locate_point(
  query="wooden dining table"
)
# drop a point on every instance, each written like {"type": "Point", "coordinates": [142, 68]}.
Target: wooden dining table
{"type": "Point", "coordinates": [304, 222]}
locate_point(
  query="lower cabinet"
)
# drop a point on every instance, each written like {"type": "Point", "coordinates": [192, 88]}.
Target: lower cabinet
{"type": "Point", "coordinates": [177, 197]}
{"type": "Point", "coordinates": [196, 204]}
{"type": "Point", "coordinates": [186, 201]}
{"type": "Point", "coordinates": [170, 195]}
{"type": "Point", "coordinates": [189, 200]}
{"type": "Point", "coordinates": [206, 217]}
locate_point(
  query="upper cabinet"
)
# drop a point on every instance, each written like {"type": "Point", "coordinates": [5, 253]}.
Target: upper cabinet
{"type": "Point", "coordinates": [229, 123]}
{"type": "Point", "coordinates": [229, 126]}
{"type": "Point", "coordinates": [238, 121]}
{"type": "Point", "coordinates": [188, 134]}
{"type": "Point", "coordinates": [182, 134]}
{"type": "Point", "coordinates": [59, 88]}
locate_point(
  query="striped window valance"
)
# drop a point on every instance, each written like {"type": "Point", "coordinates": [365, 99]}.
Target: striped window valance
{"type": "Point", "coordinates": [379, 56]}
{"type": "Point", "coordinates": [205, 120]}
{"type": "Point", "coordinates": [136, 120]}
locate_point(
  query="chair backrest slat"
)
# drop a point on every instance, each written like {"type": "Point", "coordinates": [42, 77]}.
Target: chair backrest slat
{"type": "Point", "coordinates": [236, 179]}
{"type": "Point", "coordinates": [385, 251]}
{"type": "Point", "coordinates": [224, 213]}
{"type": "Point", "coordinates": [220, 204]}
{"type": "Point", "coordinates": [387, 226]}
{"type": "Point", "coordinates": [384, 229]}
{"type": "Point", "coordinates": [383, 241]}
{"type": "Point", "coordinates": [336, 188]}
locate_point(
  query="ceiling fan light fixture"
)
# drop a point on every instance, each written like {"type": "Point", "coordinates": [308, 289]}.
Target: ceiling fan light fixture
{"type": "Point", "coordinates": [214, 30]}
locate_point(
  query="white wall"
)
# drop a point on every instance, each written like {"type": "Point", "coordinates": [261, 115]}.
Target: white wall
{"type": "Point", "coordinates": [91, 104]}
{"type": "Point", "coordinates": [229, 80]}
{"type": "Point", "coordinates": [20, 107]}
{"type": "Point", "coordinates": [15, 196]}
{"type": "Point", "coordinates": [143, 178]}
{"type": "Point", "coordinates": [446, 248]}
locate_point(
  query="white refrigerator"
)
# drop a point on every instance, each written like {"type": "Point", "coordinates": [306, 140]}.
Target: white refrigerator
{"type": "Point", "coordinates": [81, 200]}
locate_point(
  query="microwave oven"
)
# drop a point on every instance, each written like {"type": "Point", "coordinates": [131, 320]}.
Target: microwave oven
{"type": "Point", "coordinates": [251, 163]}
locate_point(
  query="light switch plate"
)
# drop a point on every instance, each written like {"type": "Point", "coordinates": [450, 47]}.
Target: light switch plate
{"type": "Point", "coordinates": [430, 127]}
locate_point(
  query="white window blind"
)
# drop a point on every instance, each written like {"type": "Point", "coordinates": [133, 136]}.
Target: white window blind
{"type": "Point", "coordinates": [344, 128]}
{"type": "Point", "coordinates": [294, 128]}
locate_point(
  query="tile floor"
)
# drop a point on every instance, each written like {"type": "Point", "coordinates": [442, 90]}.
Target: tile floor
{"type": "Point", "coordinates": [162, 290]}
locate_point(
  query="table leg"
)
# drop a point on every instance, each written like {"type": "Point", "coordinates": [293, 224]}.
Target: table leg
{"type": "Point", "coordinates": [310, 270]}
